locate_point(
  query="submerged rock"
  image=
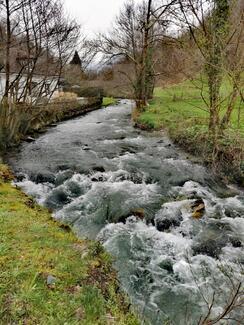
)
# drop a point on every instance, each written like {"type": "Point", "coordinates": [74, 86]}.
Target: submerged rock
{"type": "Point", "coordinates": [235, 242]}
{"type": "Point", "coordinates": [165, 224]}
{"type": "Point", "coordinates": [138, 213]}
{"type": "Point", "coordinates": [167, 265]}
{"type": "Point", "coordinates": [210, 247]}
{"type": "Point", "coordinates": [100, 169]}
{"type": "Point", "coordinates": [20, 177]}
{"type": "Point", "coordinates": [166, 219]}
{"type": "Point", "coordinates": [86, 148]}
{"type": "Point", "coordinates": [211, 239]}
{"type": "Point", "coordinates": [97, 179]}
{"type": "Point", "coordinates": [63, 176]}
{"type": "Point", "coordinates": [43, 178]}
{"type": "Point", "coordinates": [57, 199]}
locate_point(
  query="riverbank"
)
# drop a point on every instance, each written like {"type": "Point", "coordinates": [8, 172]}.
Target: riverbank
{"type": "Point", "coordinates": [102, 176]}
{"type": "Point", "coordinates": [61, 110]}
{"type": "Point", "coordinates": [180, 110]}
{"type": "Point", "coordinates": [26, 120]}
{"type": "Point", "coordinates": [48, 276]}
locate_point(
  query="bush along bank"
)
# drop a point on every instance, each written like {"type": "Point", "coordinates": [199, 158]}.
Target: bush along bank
{"type": "Point", "coordinates": [26, 119]}
{"type": "Point", "coordinates": [179, 111]}
{"type": "Point", "coordinates": [48, 276]}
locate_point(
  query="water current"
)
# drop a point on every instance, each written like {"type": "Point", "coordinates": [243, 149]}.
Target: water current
{"type": "Point", "coordinates": [136, 193]}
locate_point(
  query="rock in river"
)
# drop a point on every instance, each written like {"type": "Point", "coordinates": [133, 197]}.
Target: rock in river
{"type": "Point", "coordinates": [169, 216]}
{"type": "Point", "coordinates": [198, 208]}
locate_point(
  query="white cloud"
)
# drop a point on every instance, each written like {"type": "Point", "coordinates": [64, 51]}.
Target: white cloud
{"type": "Point", "coordinates": [94, 15]}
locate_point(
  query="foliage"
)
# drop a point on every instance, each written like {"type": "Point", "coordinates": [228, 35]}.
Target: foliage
{"type": "Point", "coordinates": [37, 41]}
{"type": "Point", "coordinates": [133, 38]}
{"type": "Point", "coordinates": [76, 60]}
{"type": "Point", "coordinates": [107, 101]}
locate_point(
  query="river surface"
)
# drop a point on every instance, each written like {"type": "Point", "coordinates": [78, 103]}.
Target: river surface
{"type": "Point", "coordinates": [135, 192]}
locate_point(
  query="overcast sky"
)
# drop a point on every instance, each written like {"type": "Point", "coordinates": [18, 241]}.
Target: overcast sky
{"type": "Point", "coordinates": [94, 15]}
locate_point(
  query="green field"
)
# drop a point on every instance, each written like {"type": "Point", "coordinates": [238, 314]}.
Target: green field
{"type": "Point", "coordinates": [47, 276]}
{"type": "Point", "coordinates": [182, 105]}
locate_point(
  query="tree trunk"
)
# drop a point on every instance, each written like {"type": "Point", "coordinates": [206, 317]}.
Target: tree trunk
{"type": "Point", "coordinates": [8, 44]}
{"type": "Point", "coordinates": [214, 70]}
{"type": "Point", "coordinates": [146, 56]}
{"type": "Point", "coordinates": [226, 119]}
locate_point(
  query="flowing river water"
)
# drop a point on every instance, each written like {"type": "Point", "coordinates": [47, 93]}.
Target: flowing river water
{"type": "Point", "coordinates": [134, 191]}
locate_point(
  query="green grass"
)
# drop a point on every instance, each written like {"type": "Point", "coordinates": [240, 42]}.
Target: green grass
{"type": "Point", "coordinates": [183, 103]}
{"type": "Point", "coordinates": [34, 247]}
{"type": "Point", "coordinates": [108, 101]}
{"type": "Point", "coordinates": [181, 110]}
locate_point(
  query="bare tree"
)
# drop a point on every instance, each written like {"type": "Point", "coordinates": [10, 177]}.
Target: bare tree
{"type": "Point", "coordinates": [135, 34]}
{"type": "Point", "coordinates": [38, 40]}
{"type": "Point", "coordinates": [208, 22]}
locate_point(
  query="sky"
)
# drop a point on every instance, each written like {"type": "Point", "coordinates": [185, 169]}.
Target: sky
{"type": "Point", "coordinates": [94, 15]}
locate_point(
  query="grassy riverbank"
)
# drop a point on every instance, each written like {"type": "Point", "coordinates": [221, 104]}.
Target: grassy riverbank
{"type": "Point", "coordinates": [181, 111]}
{"type": "Point", "coordinates": [47, 276]}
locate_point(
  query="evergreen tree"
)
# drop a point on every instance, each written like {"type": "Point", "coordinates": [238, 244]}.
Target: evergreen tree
{"type": "Point", "coordinates": [76, 59]}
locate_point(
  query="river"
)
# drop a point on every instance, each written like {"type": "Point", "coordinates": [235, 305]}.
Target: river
{"type": "Point", "coordinates": [135, 192]}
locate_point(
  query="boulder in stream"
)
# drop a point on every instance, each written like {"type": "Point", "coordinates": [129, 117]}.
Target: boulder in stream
{"type": "Point", "coordinates": [43, 177]}
{"type": "Point", "coordinates": [211, 239]}
{"type": "Point", "coordinates": [100, 169]}
{"type": "Point", "coordinates": [30, 139]}
{"type": "Point", "coordinates": [169, 216]}
{"type": "Point", "coordinates": [166, 223]}
{"type": "Point", "coordinates": [198, 208]}
{"type": "Point", "coordinates": [138, 213]}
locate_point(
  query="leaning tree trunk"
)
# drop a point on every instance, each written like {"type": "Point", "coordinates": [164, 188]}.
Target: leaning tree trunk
{"type": "Point", "coordinates": [226, 119]}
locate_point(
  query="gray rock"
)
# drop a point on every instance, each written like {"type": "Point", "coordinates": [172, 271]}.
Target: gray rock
{"type": "Point", "coordinates": [211, 239]}
{"type": "Point", "coordinates": [168, 217]}
{"type": "Point", "coordinates": [30, 139]}
{"type": "Point", "coordinates": [51, 280]}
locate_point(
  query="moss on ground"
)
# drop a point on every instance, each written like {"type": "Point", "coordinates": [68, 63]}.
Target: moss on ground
{"type": "Point", "coordinates": [109, 101]}
{"type": "Point", "coordinates": [181, 110]}
{"type": "Point", "coordinates": [47, 275]}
